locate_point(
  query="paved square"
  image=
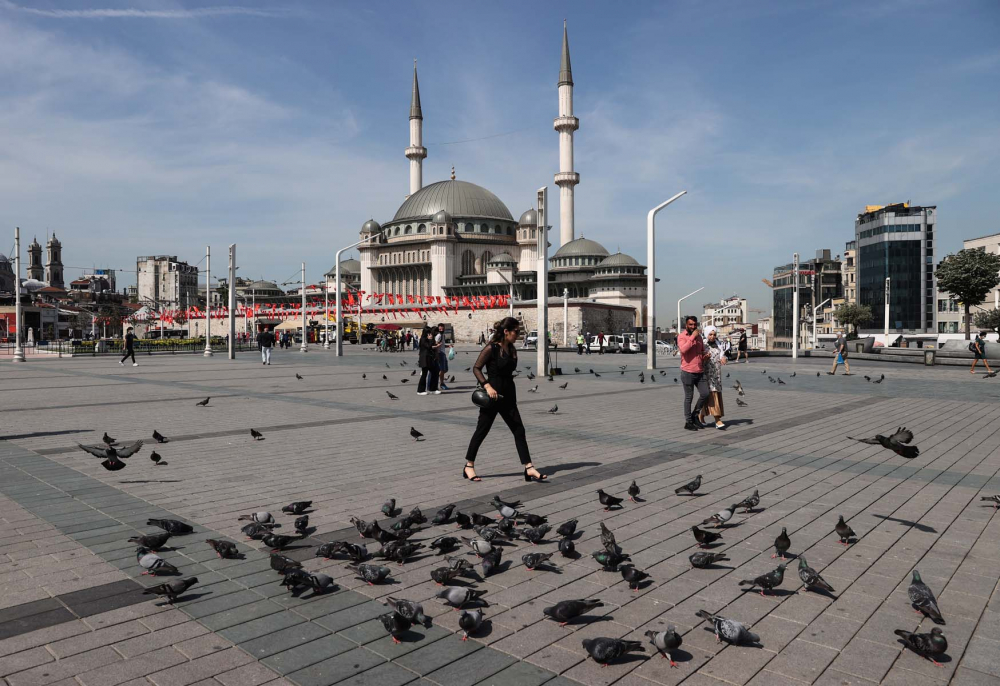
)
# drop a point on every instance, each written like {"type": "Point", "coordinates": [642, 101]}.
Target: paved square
{"type": "Point", "coordinates": [71, 602]}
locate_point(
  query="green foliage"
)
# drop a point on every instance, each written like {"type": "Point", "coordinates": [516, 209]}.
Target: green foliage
{"type": "Point", "coordinates": [853, 315]}
{"type": "Point", "coordinates": [969, 275]}
{"type": "Point", "coordinates": [988, 320]}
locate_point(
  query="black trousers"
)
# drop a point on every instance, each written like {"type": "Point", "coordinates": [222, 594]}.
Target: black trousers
{"type": "Point", "coordinates": [692, 380]}
{"type": "Point", "coordinates": [428, 379]}
{"type": "Point", "coordinates": [129, 352]}
{"type": "Point", "coordinates": [512, 417]}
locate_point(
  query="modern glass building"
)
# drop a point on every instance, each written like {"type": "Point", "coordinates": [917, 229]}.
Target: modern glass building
{"type": "Point", "coordinates": [897, 242]}
{"type": "Point", "coordinates": [819, 279]}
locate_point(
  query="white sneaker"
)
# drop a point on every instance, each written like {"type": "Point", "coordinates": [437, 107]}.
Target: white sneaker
{"type": "Point", "coordinates": [121, 363]}
{"type": "Point", "coordinates": [135, 364]}
{"type": "Point", "coordinates": [422, 393]}
{"type": "Point", "coordinates": [437, 392]}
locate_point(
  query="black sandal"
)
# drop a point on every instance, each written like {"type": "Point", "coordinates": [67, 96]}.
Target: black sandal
{"type": "Point", "coordinates": [465, 474]}
{"type": "Point", "coordinates": [528, 477]}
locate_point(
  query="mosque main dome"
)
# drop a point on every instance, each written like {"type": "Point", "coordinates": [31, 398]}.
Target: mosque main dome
{"type": "Point", "coordinates": [460, 199]}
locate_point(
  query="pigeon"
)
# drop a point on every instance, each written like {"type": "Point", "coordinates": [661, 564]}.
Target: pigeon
{"type": "Point", "coordinates": [987, 375]}
{"type": "Point", "coordinates": [108, 440]}
{"type": "Point", "coordinates": [506, 511]}
{"type": "Point", "coordinates": [389, 507]}
{"type": "Point", "coordinates": [112, 454]}
{"type": "Point", "coordinates": [469, 622]}
{"type": "Point", "coordinates": [537, 534]}
{"type": "Point", "coordinates": [925, 645]}
{"type": "Point", "coordinates": [995, 499]}
{"type": "Point", "coordinates": [408, 609]}
{"type": "Point", "coordinates": [364, 376]}
{"type": "Point", "coordinates": [608, 538]}
{"type": "Point", "coordinates": [534, 520]}
{"type": "Point", "coordinates": [652, 379]}
{"type": "Point", "coordinates": [781, 544]}
{"type": "Point", "coordinates": [157, 459]}
{"type": "Point", "coordinates": [402, 550]}
{"type": "Point", "coordinates": [371, 574]}
{"type": "Point", "coordinates": [576, 369]}
{"type": "Point", "coordinates": [533, 560]}
{"type": "Point", "coordinates": [159, 438]}
{"type": "Point", "coordinates": [415, 434]}
{"type": "Point", "coordinates": [459, 563]}
{"type": "Point", "coordinates": [567, 548]}
{"type": "Point", "coordinates": [702, 560]}
{"type": "Point", "coordinates": [563, 387]}
{"type": "Point", "coordinates": [689, 487]}
{"type": "Point", "coordinates": [609, 560]}
{"type": "Point", "coordinates": [478, 545]}
{"type": "Point", "coordinates": [608, 501]}
{"type": "Point", "coordinates": [596, 375]}
{"type": "Point", "coordinates": [750, 502]}
{"type": "Point", "coordinates": [281, 564]}
{"type": "Point", "coordinates": [554, 409]}
{"type": "Point", "coordinates": [666, 642]}
{"type": "Point", "coordinates": [881, 378]}
{"type": "Point", "coordinates": [384, 377]}
{"type": "Point", "coordinates": [443, 515]}
{"type": "Point", "coordinates": [729, 630]}
{"type": "Point", "coordinates": [740, 403]}
{"type": "Point", "coordinates": [204, 403]}
{"type": "Point", "coordinates": [605, 650]}
{"type": "Point", "coordinates": [534, 389]}
{"type": "Point", "coordinates": [452, 379]}
{"type": "Point", "coordinates": [567, 528]}
{"type": "Point", "coordinates": [480, 520]}
{"type": "Point", "coordinates": [457, 596]}
{"type": "Point", "coordinates": [868, 378]}
{"type": "Point", "coordinates": [301, 524]}
{"type": "Point", "coordinates": [328, 550]}
{"type": "Point", "coordinates": [391, 396]}
{"type": "Point", "coordinates": [811, 578]}
{"type": "Point", "coordinates": [780, 382]}
{"type": "Point", "coordinates": [771, 379]}
{"type": "Point", "coordinates": [262, 517]}
{"type": "Point", "coordinates": [152, 563]}
{"type": "Point", "coordinates": [151, 541]}
{"type": "Point", "coordinates": [256, 435]}
{"type": "Point", "coordinates": [298, 507]}
{"type": "Point", "coordinates": [298, 376]}
{"type": "Point", "coordinates": [224, 549]}
{"type": "Point", "coordinates": [721, 517]}
{"type": "Point", "coordinates": [444, 575]}
{"type": "Point", "coordinates": [257, 531]}
{"type": "Point", "coordinates": [463, 521]}
{"type": "Point", "coordinates": [844, 531]}
{"type": "Point", "coordinates": [896, 442]}
{"type": "Point", "coordinates": [491, 561]}
{"type": "Point", "coordinates": [922, 598]}
{"type": "Point", "coordinates": [566, 611]}
{"type": "Point", "coordinates": [171, 589]}
{"type": "Point", "coordinates": [817, 374]}
{"type": "Point", "coordinates": [642, 378]}
{"type": "Point", "coordinates": [767, 581]}
{"type": "Point", "coordinates": [444, 544]}
{"type": "Point", "coordinates": [395, 624]}
{"type": "Point", "coordinates": [405, 380]}
{"type": "Point", "coordinates": [633, 576]}
{"type": "Point", "coordinates": [705, 537]}
{"type": "Point", "coordinates": [413, 373]}
{"type": "Point", "coordinates": [171, 526]}
{"type": "Point", "coordinates": [320, 582]}
{"type": "Point", "coordinates": [792, 375]}
{"type": "Point", "coordinates": [277, 541]}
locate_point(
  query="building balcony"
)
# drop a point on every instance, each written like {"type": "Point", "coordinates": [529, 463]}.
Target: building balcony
{"type": "Point", "coordinates": [567, 179]}
{"type": "Point", "coordinates": [566, 124]}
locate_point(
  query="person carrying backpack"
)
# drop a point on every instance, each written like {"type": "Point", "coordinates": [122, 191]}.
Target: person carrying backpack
{"type": "Point", "coordinates": [978, 346]}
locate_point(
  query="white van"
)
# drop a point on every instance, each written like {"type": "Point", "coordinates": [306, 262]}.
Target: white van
{"type": "Point", "coordinates": [610, 344]}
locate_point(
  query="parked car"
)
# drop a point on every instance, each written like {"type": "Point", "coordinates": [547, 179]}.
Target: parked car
{"type": "Point", "coordinates": [629, 343]}
{"type": "Point", "coordinates": [530, 340]}
{"type": "Point", "coordinates": [664, 348]}
{"type": "Point", "coordinates": [610, 344]}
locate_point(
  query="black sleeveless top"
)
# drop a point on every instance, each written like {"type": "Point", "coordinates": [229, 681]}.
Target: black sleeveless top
{"type": "Point", "coordinates": [499, 369]}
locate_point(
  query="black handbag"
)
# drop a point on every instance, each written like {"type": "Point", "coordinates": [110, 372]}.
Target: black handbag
{"type": "Point", "coordinates": [482, 399]}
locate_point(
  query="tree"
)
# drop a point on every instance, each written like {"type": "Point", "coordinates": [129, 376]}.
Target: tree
{"type": "Point", "coordinates": [988, 320]}
{"type": "Point", "coordinates": [969, 275]}
{"type": "Point", "coordinates": [853, 315]}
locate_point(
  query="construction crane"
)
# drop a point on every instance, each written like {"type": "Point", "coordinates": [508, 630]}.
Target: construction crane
{"type": "Point", "coordinates": [768, 283]}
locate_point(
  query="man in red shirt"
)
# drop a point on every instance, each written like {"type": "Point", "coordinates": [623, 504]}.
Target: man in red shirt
{"type": "Point", "coordinates": [692, 349]}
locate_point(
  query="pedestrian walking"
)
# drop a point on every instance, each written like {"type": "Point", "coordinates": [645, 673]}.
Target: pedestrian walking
{"type": "Point", "coordinates": [441, 347]}
{"type": "Point", "coordinates": [580, 340]}
{"type": "Point", "coordinates": [600, 343]}
{"type": "Point", "coordinates": [693, 355]}
{"type": "Point", "coordinates": [713, 373]}
{"type": "Point", "coordinates": [129, 348]}
{"type": "Point", "coordinates": [741, 347]}
{"type": "Point", "coordinates": [499, 360]}
{"type": "Point", "coordinates": [265, 340]}
{"type": "Point", "coordinates": [482, 338]}
{"type": "Point", "coordinates": [428, 364]}
{"type": "Point", "coordinates": [840, 351]}
{"type": "Point", "coordinates": [978, 346]}
{"type": "Point", "coordinates": [586, 346]}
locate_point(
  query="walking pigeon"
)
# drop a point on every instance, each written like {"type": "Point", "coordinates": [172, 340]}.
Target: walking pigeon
{"type": "Point", "coordinates": [701, 560]}
{"type": "Point", "coordinates": [666, 642]}
{"type": "Point", "coordinates": [844, 531]}
{"type": "Point", "coordinates": [689, 487]}
{"type": "Point", "coordinates": [781, 544]}
{"type": "Point", "coordinates": [922, 598]}
{"type": "Point", "coordinates": [605, 650]}
{"type": "Point", "coordinates": [811, 578]}
{"type": "Point", "coordinates": [171, 589]}
{"type": "Point", "coordinates": [566, 611]}
{"type": "Point", "coordinates": [609, 501]}
{"type": "Point", "coordinates": [469, 622]}
{"type": "Point", "coordinates": [767, 581]}
{"type": "Point", "coordinates": [729, 630]}
{"type": "Point", "coordinates": [926, 645]}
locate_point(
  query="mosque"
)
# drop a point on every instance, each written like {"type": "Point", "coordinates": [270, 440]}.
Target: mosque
{"type": "Point", "coordinates": [454, 238]}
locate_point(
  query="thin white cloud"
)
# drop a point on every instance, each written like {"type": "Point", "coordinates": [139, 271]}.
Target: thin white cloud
{"type": "Point", "coordinates": [133, 13]}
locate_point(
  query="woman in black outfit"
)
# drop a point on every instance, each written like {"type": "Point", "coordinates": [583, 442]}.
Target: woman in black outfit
{"type": "Point", "coordinates": [499, 358]}
{"type": "Point", "coordinates": [428, 364]}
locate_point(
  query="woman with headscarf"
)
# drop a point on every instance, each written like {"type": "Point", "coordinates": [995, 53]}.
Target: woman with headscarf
{"type": "Point", "coordinates": [428, 364]}
{"type": "Point", "coordinates": [713, 373]}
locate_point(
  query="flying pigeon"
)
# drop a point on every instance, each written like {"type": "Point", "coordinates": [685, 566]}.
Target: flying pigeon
{"type": "Point", "coordinates": [844, 531]}
{"type": "Point", "coordinates": [159, 438]}
{"type": "Point", "coordinates": [922, 598]}
{"type": "Point", "coordinates": [897, 442]}
{"type": "Point", "coordinates": [256, 435]}
{"type": "Point", "coordinates": [112, 456]}
{"type": "Point", "coordinates": [811, 578]}
{"type": "Point", "coordinates": [151, 541]}
{"type": "Point", "coordinates": [298, 507]}
{"type": "Point", "coordinates": [152, 563]}
{"type": "Point", "coordinates": [457, 596]}
{"type": "Point", "coordinates": [781, 544]}
{"type": "Point", "coordinates": [566, 611]}
{"type": "Point", "coordinates": [633, 491]}
{"type": "Point", "coordinates": [926, 645]}
{"type": "Point", "coordinates": [171, 589]}
{"type": "Point", "coordinates": [605, 650]}
{"type": "Point", "coordinates": [666, 642]}
{"type": "Point", "coordinates": [689, 487]}
{"type": "Point", "coordinates": [171, 526]}
{"type": "Point", "coordinates": [415, 434]}
{"type": "Point", "coordinates": [705, 537]}
{"type": "Point", "coordinates": [729, 630]}
{"type": "Point", "coordinates": [767, 581]}
{"type": "Point", "coordinates": [224, 549]}
{"type": "Point", "coordinates": [701, 560]}
{"type": "Point", "coordinates": [609, 501]}
{"type": "Point", "coordinates": [203, 403]}
{"type": "Point", "coordinates": [469, 622]}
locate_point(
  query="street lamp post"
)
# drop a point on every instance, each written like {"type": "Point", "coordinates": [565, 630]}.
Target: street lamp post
{"type": "Point", "coordinates": [565, 317]}
{"type": "Point", "coordinates": [18, 312]}
{"type": "Point", "coordinates": [651, 282]}
{"type": "Point", "coordinates": [816, 317]}
{"type": "Point", "coordinates": [305, 346]}
{"type": "Point", "coordinates": [795, 307]}
{"type": "Point", "coordinates": [542, 299]}
{"type": "Point", "coordinates": [680, 324]}
{"type": "Point", "coordinates": [339, 324]}
{"type": "Point", "coordinates": [326, 314]}
{"type": "Point", "coordinates": [887, 311]}
{"type": "Point", "coordinates": [232, 302]}
{"type": "Point", "coordinates": [208, 301]}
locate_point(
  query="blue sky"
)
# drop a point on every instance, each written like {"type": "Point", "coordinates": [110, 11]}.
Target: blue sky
{"type": "Point", "coordinates": [134, 128]}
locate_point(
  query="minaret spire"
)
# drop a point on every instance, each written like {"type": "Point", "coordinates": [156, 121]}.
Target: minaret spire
{"type": "Point", "coordinates": [416, 152]}
{"type": "Point", "coordinates": [566, 124]}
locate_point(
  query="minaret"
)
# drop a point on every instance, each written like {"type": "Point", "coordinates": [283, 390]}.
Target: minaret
{"type": "Point", "coordinates": [566, 124]}
{"type": "Point", "coordinates": [416, 152]}
{"type": "Point", "coordinates": [54, 266]}
{"type": "Point", "coordinates": [35, 269]}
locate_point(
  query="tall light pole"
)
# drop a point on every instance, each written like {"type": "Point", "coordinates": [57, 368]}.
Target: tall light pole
{"type": "Point", "coordinates": [887, 311]}
{"type": "Point", "coordinates": [305, 333]}
{"type": "Point", "coordinates": [326, 314]}
{"type": "Point", "coordinates": [795, 306]}
{"type": "Point", "coordinates": [208, 301]}
{"type": "Point", "coordinates": [510, 298]}
{"type": "Point", "coordinates": [680, 324]}
{"type": "Point", "coordinates": [565, 317]}
{"type": "Point", "coordinates": [651, 282]}
{"type": "Point", "coordinates": [542, 343]}
{"type": "Point", "coordinates": [815, 317]}
{"type": "Point", "coordinates": [232, 302]}
{"type": "Point", "coordinates": [18, 312]}
{"type": "Point", "coordinates": [339, 324]}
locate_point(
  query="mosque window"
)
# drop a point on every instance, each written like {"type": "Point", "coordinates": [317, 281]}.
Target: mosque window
{"type": "Point", "coordinates": [422, 228]}
{"type": "Point", "coordinates": [468, 262]}
{"type": "Point", "coordinates": [468, 228]}
{"type": "Point", "coordinates": [497, 229]}
{"type": "Point", "coordinates": [409, 230]}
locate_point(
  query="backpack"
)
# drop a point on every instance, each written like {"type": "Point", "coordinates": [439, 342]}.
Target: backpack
{"type": "Point", "coordinates": [972, 347]}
